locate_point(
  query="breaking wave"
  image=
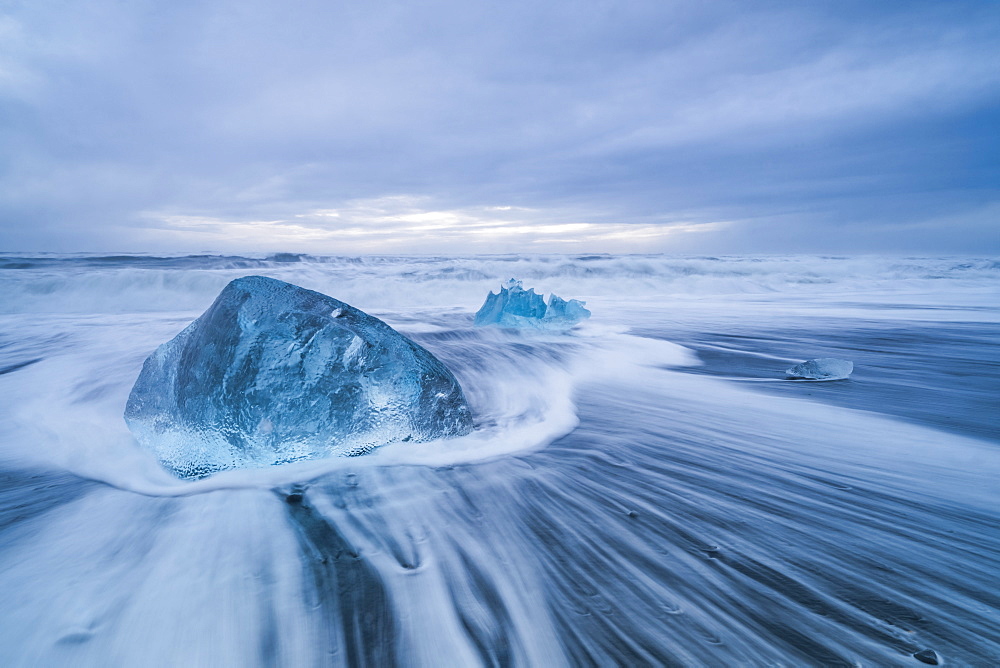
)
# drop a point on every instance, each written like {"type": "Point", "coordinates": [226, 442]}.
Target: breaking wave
{"type": "Point", "coordinates": [126, 283]}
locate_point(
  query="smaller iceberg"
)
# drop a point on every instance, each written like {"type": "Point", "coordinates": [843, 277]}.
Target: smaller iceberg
{"type": "Point", "coordinates": [519, 308]}
{"type": "Point", "coordinates": [825, 368]}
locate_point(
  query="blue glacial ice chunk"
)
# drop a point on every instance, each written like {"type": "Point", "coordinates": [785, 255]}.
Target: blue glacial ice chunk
{"type": "Point", "coordinates": [515, 307]}
{"type": "Point", "coordinates": [824, 368]}
{"type": "Point", "coordinates": [569, 311]}
{"type": "Point", "coordinates": [273, 373]}
{"type": "Point", "coordinates": [513, 301]}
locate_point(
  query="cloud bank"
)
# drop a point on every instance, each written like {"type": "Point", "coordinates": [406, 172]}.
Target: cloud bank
{"type": "Point", "coordinates": [494, 127]}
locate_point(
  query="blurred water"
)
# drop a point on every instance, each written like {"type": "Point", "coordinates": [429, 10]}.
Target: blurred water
{"type": "Point", "coordinates": [625, 500]}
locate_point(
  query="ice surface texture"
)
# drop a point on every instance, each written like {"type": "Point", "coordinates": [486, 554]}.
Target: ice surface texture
{"type": "Point", "coordinates": [273, 373]}
{"type": "Point", "coordinates": [516, 307]}
{"type": "Point", "coordinates": [825, 368]}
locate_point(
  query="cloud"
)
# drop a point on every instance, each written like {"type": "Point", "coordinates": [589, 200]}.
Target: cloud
{"type": "Point", "coordinates": [402, 224]}
{"type": "Point", "coordinates": [788, 119]}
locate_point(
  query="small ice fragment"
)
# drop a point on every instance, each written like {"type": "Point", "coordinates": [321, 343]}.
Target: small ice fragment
{"type": "Point", "coordinates": [516, 307]}
{"type": "Point", "coordinates": [824, 368]}
{"type": "Point", "coordinates": [560, 309]}
{"type": "Point", "coordinates": [335, 313]}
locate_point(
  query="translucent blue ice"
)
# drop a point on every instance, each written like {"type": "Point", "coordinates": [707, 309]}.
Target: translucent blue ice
{"type": "Point", "coordinates": [824, 368]}
{"type": "Point", "coordinates": [515, 307]}
{"type": "Point", "coordinates": [273, 373]}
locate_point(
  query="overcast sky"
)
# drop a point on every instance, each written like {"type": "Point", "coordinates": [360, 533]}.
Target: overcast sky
{"type": "Point", "coordinates": [503, 126]}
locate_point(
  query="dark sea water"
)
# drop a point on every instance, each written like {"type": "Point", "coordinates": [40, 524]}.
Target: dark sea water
{"type": "Point", "coordinates": [647, 489]}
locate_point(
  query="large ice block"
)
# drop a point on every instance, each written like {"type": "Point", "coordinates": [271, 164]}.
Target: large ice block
{"type": "Point", "coordinates": [516, 307]}
{"type": "Point", "coordinates": [273, 373]}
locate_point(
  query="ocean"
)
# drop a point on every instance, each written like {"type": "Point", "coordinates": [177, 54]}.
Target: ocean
{"type": "Point", "coordinates": [645, 489]}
